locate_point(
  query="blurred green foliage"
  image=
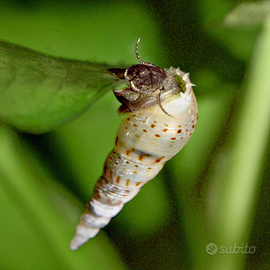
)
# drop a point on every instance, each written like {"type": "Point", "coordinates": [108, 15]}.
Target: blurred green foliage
{"type": "Point", "coordinates": [216, 190]}
{"type": "Point", "coordinates": [41, 92]}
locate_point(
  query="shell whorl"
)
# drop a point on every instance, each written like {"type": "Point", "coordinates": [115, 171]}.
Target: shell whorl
{"type": "Point", "coordinates": [145, 140]}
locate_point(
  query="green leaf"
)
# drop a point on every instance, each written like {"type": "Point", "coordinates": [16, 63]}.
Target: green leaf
{"type": "Point", "coordinates": [39, 93]}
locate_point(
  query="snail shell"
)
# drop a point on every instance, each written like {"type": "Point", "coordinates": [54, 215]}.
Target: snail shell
{"type": "Point", "coordinates": [162, 117]}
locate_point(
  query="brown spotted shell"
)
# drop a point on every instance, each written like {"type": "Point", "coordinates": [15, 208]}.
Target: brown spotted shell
{"type": "Point", "coordinates": [145, 140]}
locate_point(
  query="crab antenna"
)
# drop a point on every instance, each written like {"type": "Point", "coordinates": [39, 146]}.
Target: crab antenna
{"type": "Point", "coordinates": [138, 57]}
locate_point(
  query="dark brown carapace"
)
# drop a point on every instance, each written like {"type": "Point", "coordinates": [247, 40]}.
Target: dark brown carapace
{"type": "Point", "coordinates": [148, 85]}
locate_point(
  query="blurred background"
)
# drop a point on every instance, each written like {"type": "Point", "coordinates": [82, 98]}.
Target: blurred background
{"type": "Point", "coordinates": [202, 195]}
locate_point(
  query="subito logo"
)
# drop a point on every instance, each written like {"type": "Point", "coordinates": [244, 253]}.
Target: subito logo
{"type": "Point", "coordinates": [211, 249]}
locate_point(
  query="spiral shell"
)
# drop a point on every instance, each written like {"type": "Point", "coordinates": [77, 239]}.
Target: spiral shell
{"type": "Point", "coordinates": [162, 117]}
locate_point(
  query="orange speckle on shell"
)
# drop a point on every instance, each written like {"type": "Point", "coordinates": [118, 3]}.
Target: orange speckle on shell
{"type": "Point", "coordinates": [159, 159]}
{"type": "Point", "coordinates": [127, 183]}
